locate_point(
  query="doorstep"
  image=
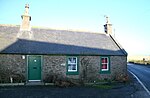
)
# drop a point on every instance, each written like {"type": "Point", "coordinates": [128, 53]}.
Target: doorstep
{"type": "Point", "coordinates": [34, 83]}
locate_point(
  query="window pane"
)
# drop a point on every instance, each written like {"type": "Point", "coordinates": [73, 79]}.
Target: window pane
{"type": "Point", "coordinates": [69, 66]}
{"type": "Point", "coordinates": [74, 60]}
{"type": "Point", "coordinates": [71, 60]}
{"type": "Point", "coordinates": [104, 60]}
{"type": "Point", "coordinates": [73, 67]}
{"type": "Point", "coordinates": [104, 66]}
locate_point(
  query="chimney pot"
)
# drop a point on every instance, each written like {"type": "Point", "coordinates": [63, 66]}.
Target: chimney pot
{"type": "Point", "coordinates": [108, 26]}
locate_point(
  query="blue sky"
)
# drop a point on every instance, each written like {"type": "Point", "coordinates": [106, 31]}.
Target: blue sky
{"type": "Point", "coordinates": [130, 18]}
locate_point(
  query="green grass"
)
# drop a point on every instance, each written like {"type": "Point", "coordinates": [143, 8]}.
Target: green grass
{"type": "Point", "coordinates": [139, 62]}
{"type": "Point", "coordinates": [103, 86]}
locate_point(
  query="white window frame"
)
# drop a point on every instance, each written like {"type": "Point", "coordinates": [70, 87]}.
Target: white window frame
{"type": "Point", "coordinates": [73, 63]}
{"type": "Point", "coordinates": [105, 63]}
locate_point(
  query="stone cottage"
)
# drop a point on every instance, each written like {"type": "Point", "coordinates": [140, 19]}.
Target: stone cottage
{"type": "Point", "coordinates": [42, 54]}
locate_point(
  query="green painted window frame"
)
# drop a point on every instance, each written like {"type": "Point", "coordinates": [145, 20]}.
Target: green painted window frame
{"type": "Point", "coordinates": [72, 72]}
{"type": "Point", "coordinates": [105, 71]}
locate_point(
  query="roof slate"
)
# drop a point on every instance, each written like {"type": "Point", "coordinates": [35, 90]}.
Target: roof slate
{"type": "Point", "coordinates": [50, 41]}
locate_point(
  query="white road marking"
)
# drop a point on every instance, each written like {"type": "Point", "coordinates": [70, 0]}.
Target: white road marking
{"type": "Point", "coordinates": [140, 82]}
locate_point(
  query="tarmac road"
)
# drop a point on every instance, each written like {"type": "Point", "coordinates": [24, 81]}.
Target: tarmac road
{"type": "Point", "coordinates": [142, 72]}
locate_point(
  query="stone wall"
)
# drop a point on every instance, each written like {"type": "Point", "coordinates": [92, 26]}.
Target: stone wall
{"type": "Point", "coordinates": [89, 68]}
{"type": "Point", "coordinates": [12, 66]}
{"type": "Point", "coordinates": [118, 66]}
{"type": "Point", "coordinates": [55, 67]}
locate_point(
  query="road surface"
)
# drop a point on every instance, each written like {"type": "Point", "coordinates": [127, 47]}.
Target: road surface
{"type": "Point", "coordinates": [142, 72]}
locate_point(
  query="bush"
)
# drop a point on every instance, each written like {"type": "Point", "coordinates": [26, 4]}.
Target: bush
{"type": "Point", "coordinates": [6, 74]}
{"type": "Point", "coordinates": [18, 78]}
{"type": "Point", "coordinates": [50, 79]}
{"type": "Point", "coordinates": [63, 83]}
{"type": "Point", "coordinates": [121, 78]}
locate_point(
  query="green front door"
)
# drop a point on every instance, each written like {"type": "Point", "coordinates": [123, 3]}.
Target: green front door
{"type": "Point", "coordinates": [34, 67]}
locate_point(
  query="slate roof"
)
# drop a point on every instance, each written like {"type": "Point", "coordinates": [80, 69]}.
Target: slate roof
{"type": "Point", "coordinates": [50, 41]}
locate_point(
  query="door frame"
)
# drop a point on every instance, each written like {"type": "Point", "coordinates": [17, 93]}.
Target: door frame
{"type": "Point", "coordinates": [40, 65]}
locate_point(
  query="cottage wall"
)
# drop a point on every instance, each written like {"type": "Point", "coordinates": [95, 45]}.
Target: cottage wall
{"type": "Point", "coordinates": [54, 67]}
{"type": "Point", "coordinates": [118, 66]}
{"type": "Point", "coordinates": [90, 71]}
{"type": "Point", "coordinates": [89, 68]}
{"type": "Point", "coordinates": [12, 66]}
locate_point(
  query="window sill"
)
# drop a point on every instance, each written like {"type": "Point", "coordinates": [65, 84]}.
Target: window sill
{"type": "Point", "coordinates": [72, 73]}
{"type": "Point", "coordinates": [104, 72]}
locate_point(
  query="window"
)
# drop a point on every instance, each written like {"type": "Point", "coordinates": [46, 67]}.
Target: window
{"type": "Point", "coordinates": [105, 65]}
{"type": "Point", "coordinates": [72, 65]}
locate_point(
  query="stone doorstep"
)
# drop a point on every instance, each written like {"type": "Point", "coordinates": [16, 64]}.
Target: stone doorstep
{"type": "Point", "coordinates": [38, 83]}
{"type": "Point", "coordinates": [34, 83]}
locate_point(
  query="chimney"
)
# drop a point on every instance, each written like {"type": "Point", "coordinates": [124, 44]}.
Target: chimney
{"type": "Point", "coordinates": [108, 26]}
{"type": "Point", "coordinates": [25, 26]}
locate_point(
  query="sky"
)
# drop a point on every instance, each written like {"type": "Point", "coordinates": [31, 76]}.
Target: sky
{"type": "Point", "coordinates": [130, 18]}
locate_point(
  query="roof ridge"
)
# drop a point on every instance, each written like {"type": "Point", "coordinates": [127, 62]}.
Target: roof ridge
{"type": "Point", "coordinates": [71, 30]}
{"type": "Point", "coordinates": [48, 28]}
{"type": "Point", "coordinates": [10, 25]}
